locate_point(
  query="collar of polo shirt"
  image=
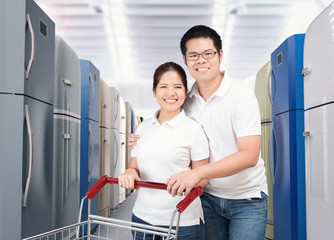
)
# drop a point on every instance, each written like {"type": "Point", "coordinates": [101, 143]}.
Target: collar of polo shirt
{"type": "Point", "coordinates": [175, 121]}
{"type": "Point", "coordinates": [221, 91]}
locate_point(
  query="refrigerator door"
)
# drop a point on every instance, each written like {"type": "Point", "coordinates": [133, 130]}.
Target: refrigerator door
{"type": "Point", "coordinates": [94, 163]}
{"type": "Point", "coordinates": [114, 168]}
{"type": "Point", "coordinates": [319, 142]}
{"type": "Point", "coordinates": [67, 81]}
{"type": "Point", "coordinates": [128, 117]}
{"type": "Point", "coordinates": [287, 79]}
{"type": "Point", "coordinates": [288, 172]}
{"type": "Point", "coordinates": [39, 55]}
{"type": "Point", "coordinates": [66, 170]}
{"type": "Point", "coordinates": [266, 154]}
{"type": "Point", "coordinates": [262, 92]}
{"type": "Point", "coordinates": [122, 121]}
{"type": "Point", "coordinates": [37, 178]}
{"type": "Point", "coordinates": [89, 162]}
{"type": "Point", "coordinates": [105, 167]}
{"type": "Point", "coordinates": [319, 59]}
{"type": "Point", "coordinates": [122, 165]}
{"type": "Point", "coordinates": [12, 42]}
{"type": "Point", "coordinates": [12, 122]}
{"type": "Point", "coordinates": [90, 91]}
{"type": "Point", "coordinates": [115, 108]}
{"type": "Point", "coordinates": [105, 104]}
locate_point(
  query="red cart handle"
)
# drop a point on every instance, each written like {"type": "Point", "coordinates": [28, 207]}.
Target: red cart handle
{"type": "Point", "coordinates": [105, 179]}
{"type": "Point", "coordinates": [195, 192]}
{"type": "Point", "coordinates": [198, 191]}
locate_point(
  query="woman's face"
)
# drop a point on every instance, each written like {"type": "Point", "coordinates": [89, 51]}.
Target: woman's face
{"type": "Point", "coordinates": [170, 92]}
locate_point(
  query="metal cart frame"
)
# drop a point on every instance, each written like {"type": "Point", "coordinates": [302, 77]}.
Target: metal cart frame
{"type": "Point", "coordinates": [75, 231]}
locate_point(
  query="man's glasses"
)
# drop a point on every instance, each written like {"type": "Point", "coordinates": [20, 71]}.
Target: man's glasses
{"type": "Point", "coordinates": [206, 55]}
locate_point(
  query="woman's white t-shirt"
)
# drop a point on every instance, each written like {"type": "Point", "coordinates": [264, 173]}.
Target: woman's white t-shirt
{"type": "Point", "coordinates": [162, 150]}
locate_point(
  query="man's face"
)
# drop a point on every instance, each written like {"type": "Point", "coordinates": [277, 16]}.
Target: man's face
{"type": "Point", "coordinates": [203, 70]}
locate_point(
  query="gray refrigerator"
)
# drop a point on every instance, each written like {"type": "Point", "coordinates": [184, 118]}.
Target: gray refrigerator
{"type": "Point", "coordinates": [67, 110]}
{"type": "Point", "coordinates": [26, 120]}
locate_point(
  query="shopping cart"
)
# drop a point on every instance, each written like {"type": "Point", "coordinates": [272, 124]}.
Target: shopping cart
{"type": "Point", "coordinates": [109, 228]}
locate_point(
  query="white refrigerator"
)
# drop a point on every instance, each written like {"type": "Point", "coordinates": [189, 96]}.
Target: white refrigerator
{"type": "Point", "coordinates": [319, 128]}
{"type": "Point", "coordinates": [122, 147]}
{"type": "Point", "coordinates": [105, 150]}
{"type": "Point", "coordinates": [114, 145]}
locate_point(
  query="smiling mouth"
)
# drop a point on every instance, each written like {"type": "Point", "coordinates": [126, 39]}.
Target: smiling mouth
{"type": "Point", "coordinates": [170, 100]}
{"type": "Point", "coordinates": [202, 69]}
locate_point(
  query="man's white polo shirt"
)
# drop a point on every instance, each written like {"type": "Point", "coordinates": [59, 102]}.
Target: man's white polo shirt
{"type": "Point", "coordinates": [230, 113]}
{"type": "Point", "coordinates": [161, 151]}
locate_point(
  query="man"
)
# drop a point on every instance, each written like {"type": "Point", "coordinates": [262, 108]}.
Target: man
{"type": "Point", "coordinates": [235, 200]}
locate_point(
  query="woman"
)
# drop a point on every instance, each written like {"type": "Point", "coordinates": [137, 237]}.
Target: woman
{"type": "Point", "coordinates": [170, 142]}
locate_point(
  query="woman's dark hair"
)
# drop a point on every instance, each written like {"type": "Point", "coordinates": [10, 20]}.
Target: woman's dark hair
{"type": "Point", "coordinates": [200, 31]}
{"type": "Point", "coordinates": [166, 67]}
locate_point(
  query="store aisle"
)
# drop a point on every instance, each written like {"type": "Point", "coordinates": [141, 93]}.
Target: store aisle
{"type": "Point", "coordinates": [123, 212]}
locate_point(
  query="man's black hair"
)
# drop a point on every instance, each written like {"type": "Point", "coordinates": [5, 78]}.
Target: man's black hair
{"type": "Point", "coordinates": [200, 31]}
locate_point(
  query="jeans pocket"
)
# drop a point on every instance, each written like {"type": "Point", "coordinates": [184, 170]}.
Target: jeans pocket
{"type": "Point", "coordinates": [258, 200]}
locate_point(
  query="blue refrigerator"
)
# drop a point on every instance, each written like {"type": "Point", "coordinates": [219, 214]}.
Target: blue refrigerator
{"type": "Point", "coordinates": [288, 166]}
{"type": "Point", "coordinates": [319, 128]}
{"type": "Point", "coordinates": [26, 120]}
{"type": "Point", "coordinates": [66, 152]}
{"type": "Point", "coordinates": [89, 143]}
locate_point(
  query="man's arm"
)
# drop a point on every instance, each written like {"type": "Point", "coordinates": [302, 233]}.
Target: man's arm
{"type": "Point", "coordinates": [132, 142]}
{"type": "Point", "coordinates": [246, 157]}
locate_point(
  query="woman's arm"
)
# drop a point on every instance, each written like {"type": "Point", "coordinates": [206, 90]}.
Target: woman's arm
{"type": "Point", "coordinates": [127, 179]}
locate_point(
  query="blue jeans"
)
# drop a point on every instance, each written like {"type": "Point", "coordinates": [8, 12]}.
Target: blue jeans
{"type": "Point", "coordinates": [195, 232]}
{"type": "Point", "coordinates": [229, 219]}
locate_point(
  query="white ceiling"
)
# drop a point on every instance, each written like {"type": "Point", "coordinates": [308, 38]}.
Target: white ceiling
{"type": "Point", "coordinates": [128, 39]}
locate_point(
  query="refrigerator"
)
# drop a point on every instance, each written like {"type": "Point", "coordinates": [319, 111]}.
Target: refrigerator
{"type": "Point", "coordinates": [288, 165]}
{"type": "Point", "coordinates": [114, 145]}
{"type": "Point", "coordinates": [89, 138]}
{"type": "Point", "coordinates": [128, 131]}
{"type": "Point", "coordinates": [105, 151]}
{"type": "Point", "coordinates": [122, 147]}
{"type": "Point", "coordinates": [67, 114]}
{"type": "Point", "coordinates": [319, 131]}
{"type": "Point", "coordinates": [26, 122]}
{"type": "Point", "coordinates": [262, 90]}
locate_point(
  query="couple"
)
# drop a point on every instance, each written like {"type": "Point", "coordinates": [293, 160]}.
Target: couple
{"type": "Point", "coordinates": [173, 147]}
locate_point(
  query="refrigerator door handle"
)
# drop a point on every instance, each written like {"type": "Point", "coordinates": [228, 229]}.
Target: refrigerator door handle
{"type": "Point", "coordinates": [91, 165]}
{"type": "Point", "coordinates": [117, 103]}
{"type": "Point", "coordinates": [271, 154]}
{"type": "Point", "coordinates": [116, 156]}
{"type": "Point", "coordinates": [93, 92]}
{"type": "Point", "coordinates": [26, 189]}
{"type": "Point", "coordinates": [275, 157]}
{"type": "Point", "coordinates": [32, 55]}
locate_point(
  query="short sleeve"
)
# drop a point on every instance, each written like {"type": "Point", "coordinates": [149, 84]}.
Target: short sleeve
{"type": "Point", "coordinates": [200, 145]}
{"type": "Point", "coordinates": [247, 120]}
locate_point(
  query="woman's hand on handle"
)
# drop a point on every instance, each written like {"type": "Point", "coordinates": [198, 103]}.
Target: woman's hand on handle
{"type": "Point", "coordinates": [127, 179]}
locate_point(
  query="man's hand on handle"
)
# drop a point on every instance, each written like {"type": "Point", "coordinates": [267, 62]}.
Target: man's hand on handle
{"type": "Point", "coordinates": [182, 182]}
